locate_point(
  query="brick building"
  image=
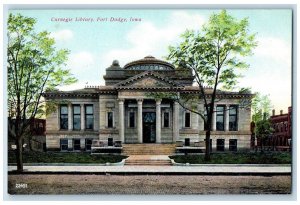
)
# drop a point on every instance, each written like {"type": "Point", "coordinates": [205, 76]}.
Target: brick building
{"type": "Point", "coordinates": [282, 125]}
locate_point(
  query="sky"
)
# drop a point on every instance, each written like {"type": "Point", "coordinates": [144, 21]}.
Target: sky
{"type": "Point", "coordinates": [112, 35]}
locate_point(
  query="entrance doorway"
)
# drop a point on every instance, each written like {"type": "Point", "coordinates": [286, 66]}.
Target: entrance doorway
{"type": "Point", "coordinates": [149, 125]}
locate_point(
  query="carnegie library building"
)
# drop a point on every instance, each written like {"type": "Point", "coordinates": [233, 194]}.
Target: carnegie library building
{"type": "Point", "coordinates": [122, 112]}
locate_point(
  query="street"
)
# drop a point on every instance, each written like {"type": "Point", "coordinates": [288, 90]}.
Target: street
{"type": "Point", "coordinates": [147, 184]}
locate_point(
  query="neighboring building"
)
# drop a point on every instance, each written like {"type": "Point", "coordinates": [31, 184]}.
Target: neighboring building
{"type": "Point", "coordinates": [36, 138]}
{"type": "Point", "coordinates": [124, 111]}
{"type": "Point", "coordinates": [282, 125]}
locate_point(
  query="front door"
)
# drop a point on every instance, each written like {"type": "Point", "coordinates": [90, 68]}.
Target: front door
{"type": "Point", "coordinates": [149, 127]}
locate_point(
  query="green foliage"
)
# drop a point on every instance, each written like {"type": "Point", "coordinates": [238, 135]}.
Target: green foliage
{"type": "Point", "coordinates": [34, 65]}
{"type": "Point", "coordinates": [237, 158]}
{"type": "Point", "coordinates": [261, 104]}
{"type": "Point", "coordinates": [263, 128]}
{"type": "Point", "coordinates": [222, 43]}
{"type": "Point", "coordinates": [214, 55]}
{"type": "Point", "coordinates": [53, 157]}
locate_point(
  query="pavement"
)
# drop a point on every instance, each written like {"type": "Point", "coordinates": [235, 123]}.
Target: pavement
{"type": "Point", "coordinates": [180, 170]}
{"type": "Point", "coordinates": [175, 168]}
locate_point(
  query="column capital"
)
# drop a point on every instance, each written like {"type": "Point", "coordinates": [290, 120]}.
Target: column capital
{"type": "Point", "coordinates": [139, 100]}
{"type": "Point", "coordinates": [158, 101]}
{"type": "Point", "coordinates": [121, 100]}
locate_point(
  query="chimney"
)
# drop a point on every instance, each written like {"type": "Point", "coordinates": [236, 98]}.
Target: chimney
{"type": "Point", "coordinates": [281, 112]}
{"type": "Point", "coordinates": [273, 112]}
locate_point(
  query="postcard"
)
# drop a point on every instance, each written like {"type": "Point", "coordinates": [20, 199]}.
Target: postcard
{"type": "Point", "coordinates": [149, 101]}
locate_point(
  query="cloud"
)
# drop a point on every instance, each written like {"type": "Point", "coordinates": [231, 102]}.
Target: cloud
{"type": "Point", "coordinates": [275, 49]}
{"type": "Point", "coordinates": [62, 35]}
{"type": "Point", "coordinates": [149, 39]}
{"type": "Point", "coordinates": [83, 60]}
{"type": "Point", "coordinates": [82, 65]}
{"type": "Point", "coordinates": [270, 71]}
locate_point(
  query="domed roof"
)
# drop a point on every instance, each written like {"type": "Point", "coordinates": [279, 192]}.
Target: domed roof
{"type": "Point", "coordinates": [149, 63]}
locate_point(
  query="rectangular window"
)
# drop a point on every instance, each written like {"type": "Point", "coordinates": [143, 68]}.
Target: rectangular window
{"type": "Point", "coordinates": [187, 122]}
{"type": "Point", "coordinates": [76, 117]}
{"type": "Point", "coordinates": [110, 119]}
{"type": "Point", "coordinates": [233, 145]}
{"type": "Point", "coordinates": [220, 118]}
{"type": "Point", "coordinates": [233, 119]}
{"type": "Point", "coordinates": [131, 119]}
{"type": "Point", "coordinates": [166, 119]}
{"type": "Point", "coordinates": [63, 144]}
{"type": "Point", "coordinates": [88, 144]}
{"type": "Point", "coordinates": [64, 117]}
{"type": "Point", "coordinates": [220, 145]}
{"type": "Point", "coordinates": [89, 117]}
{"type": "Point", "coordinates": [76, 144]}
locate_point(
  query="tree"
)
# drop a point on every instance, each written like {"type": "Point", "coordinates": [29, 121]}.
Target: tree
{"type": "Point", "coordinates": [34, 65]}
{"type": "Point", "coordinates": [261, 107]}
{"type": "Point", "coordinates": [261, 104]}
{"type": "Point", "coordinates": [214, 55]}
{"type": "Point", "coordinates": [263, 130]}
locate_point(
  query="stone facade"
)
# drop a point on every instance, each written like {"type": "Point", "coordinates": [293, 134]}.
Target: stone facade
{"type": "Point", "coordinates": [125, 110]}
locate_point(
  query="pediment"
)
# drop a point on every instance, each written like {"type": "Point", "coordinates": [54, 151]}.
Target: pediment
{"type": "Point", "coordinates": [147, 80]}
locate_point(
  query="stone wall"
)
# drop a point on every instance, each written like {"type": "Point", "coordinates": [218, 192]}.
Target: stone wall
{"type": "Point", "coordinates": [109, 103]}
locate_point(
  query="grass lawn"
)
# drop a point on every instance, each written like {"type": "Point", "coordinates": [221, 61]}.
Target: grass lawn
{"type": "Point", "coordinates": [53, 157]}
{"type": "Point", "coordinates": [237, 158]}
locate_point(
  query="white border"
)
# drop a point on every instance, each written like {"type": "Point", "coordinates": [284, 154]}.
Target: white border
{"type": "Point", "coordinates": [159, 4]}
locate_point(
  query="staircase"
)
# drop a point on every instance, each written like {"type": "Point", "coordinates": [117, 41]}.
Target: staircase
{"type": "Point", "coordinates": [148, 154]}
{"type": "Point", "coordinates": [148, 160]}
{"type": "Point", "coordinates": [148, 149]}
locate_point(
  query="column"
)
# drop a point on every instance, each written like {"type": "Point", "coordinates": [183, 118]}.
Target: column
{"type": "Point", "coordinates": [140, 120]}
{"type": "Point", "coordinates": [175, 121]}
{"type": "Point", "coordinates": [227, 117]}
{"type": "Point", "coordinates": [70, 118]}
{"type": "Point", "coordinates": [158, 121]}
{"type": "Point", "coordinates": [214, 118]}
{"type": "Point", "coordinates": [121, 120]}
{"type": "Point", "coordinates": [82, 122]}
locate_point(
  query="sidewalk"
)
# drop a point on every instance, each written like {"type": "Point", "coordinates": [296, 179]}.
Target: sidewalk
{"type": "Point", "coordinates": [186, 170]}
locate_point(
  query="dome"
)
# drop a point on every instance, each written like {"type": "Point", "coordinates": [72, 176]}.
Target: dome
{"type": "Point", "coordinates": [149, 63]}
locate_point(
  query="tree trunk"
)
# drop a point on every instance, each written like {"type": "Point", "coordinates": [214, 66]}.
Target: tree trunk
{"type": "Point", "coordinates": [19, 154]}
{"type": "Point", "coordinates": [207, 145]}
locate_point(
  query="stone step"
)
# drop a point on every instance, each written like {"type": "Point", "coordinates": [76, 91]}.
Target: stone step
{"type": "Point", "coordinates": [149, 162]}
{"type": "Point", "coordinates": [147, 153]}
{"type": "Point", "coordinates": [149, 149]}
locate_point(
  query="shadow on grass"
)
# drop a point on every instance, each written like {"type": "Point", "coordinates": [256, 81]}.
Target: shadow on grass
{"type": "Point", "coordinates": [55, 157]}
{"type": "Point", "coordinates": [237, 158]}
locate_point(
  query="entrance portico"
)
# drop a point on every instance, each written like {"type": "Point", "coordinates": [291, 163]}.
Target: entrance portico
{"type": "Point", "coordinates": [148, 122]}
